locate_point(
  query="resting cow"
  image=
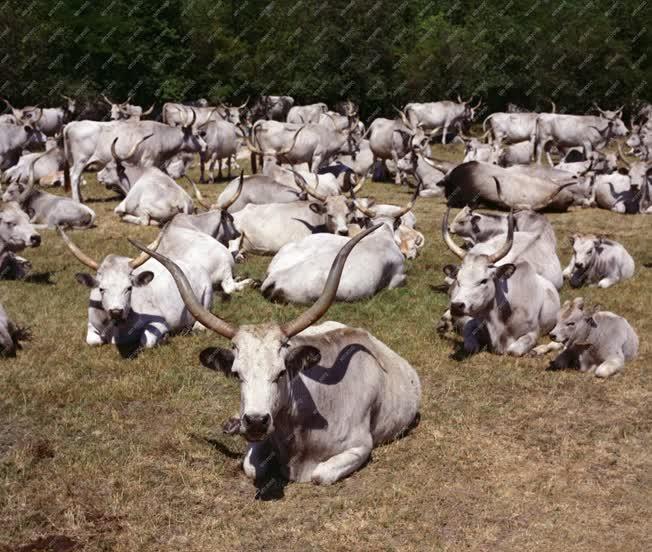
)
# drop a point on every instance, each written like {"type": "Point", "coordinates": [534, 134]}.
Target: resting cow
{"type": "Point", "coordinates": [598, 261]}
{"type": "Point", "coordinates": [318, 399]}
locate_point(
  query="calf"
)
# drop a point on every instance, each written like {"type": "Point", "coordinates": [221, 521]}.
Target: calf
{"type": "Point", "coordinates": [594, 341]}
{"type": "Point", "coordinates": [598, 261]}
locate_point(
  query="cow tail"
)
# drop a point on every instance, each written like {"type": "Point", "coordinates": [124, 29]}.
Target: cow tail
{"type": "Point", "coordinates": [66, 164]}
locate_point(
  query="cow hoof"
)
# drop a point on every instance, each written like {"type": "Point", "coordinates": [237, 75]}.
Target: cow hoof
{"type": "Point", "coordinates": [231, 426]}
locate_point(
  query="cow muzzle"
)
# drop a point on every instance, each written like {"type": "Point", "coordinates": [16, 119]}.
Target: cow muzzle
{"type": "Point", "coordinates": [256, 426]}
{"type": "Point", "coordinates": [458, 308]}
{"type": "Point", "coordinates": [34, 240]}
{"type": "Point", "coordinates": [116, 314]}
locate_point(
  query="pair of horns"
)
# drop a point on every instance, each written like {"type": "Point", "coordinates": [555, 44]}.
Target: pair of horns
{"type": "Point", "coordinates": [132, 151]}
{"type": "Point", "coordinates": [289, 329]}
{"type": "Point", "coordinates": [283, 152]}
{"type": "Point", "coordinates": [371, 213]}
{"type": "Point", "coordinates": [461, 253]}
{"type": "Point", "coordinates": [94, 265]}
{"type": "Point", "coordinates": [225, 206]}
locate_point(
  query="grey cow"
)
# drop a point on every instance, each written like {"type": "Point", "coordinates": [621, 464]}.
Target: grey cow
{"type": "Point", "coordinates": [598, 261]}
{"type": "Point", "coordinates": [48, 210]}
{"type": "Point", "coordinates": [593, 340]}
{"type": "Point", "coordinates": [16, 234]}
{"type": "Point", "coordinates": [347, 391]}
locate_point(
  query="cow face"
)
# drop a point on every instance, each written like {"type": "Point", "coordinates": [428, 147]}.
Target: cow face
{"type": "Point", "coordinates": [466, 223]}
{"type": "Point", "coordinates": [114, 281]}
{"type": "Point", "coordinates": [618, 127]}
{"type": "Point", "coordinates": [409, 240]}
{"type": "Point", "coordinates": [13, 191]}
{"type": "Point", "coordinates": [264, 361]}
{"type": "Point", "coordinates": [16, 231]}
{"type": "Point", "coordinates": [475, 284]}
{"type": "Point", "coordinates": [338, 212]}
{"type": "Point", "coordinates": [574, 323]}
{"type": "Point", "coordinates": [193, 140]}
{"type": "Point", "coordinates": [585, 250]}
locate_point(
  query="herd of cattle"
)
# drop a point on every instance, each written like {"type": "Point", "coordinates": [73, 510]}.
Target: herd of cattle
{"type": "Point", "coordinates": [321, 397]}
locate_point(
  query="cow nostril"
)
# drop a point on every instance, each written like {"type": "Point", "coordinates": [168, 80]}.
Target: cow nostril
{"type": "Point", "coordinates": [342, 232]}
{"type": "Point", "coordinates": [35, 240]}
{"type": "Point", "coordinates": [457, 308]}
{"type": "Point", "coordinates": [256, 421]}
{"type": "Point", "coordinates": [116, 314]}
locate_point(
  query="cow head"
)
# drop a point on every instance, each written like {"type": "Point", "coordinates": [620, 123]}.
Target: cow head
{"type": "Point", "coordinates": [586, 249]}
{"type": "Point", "coordinates": [616, 125]}
{"type": "Point", "coordinates": [233, 114]}
{"type": "Point", "coordinates": [114, 278]}
{"type": "Point", "coordinates": [477, 280]}
{"type": "Point", "coordinates": [16, 231]}
{"type": "Point", "coordinates": [574, 322]}
{"type": "Point", "coordinates": [118, 111]}
{"type": "Point", "coordinates": [261, 356]}
{"type": "Point", "coordinates": [416, 138]}
{"type": "Point", "coordinates": [193, 138]}
{"type": "Point", "coordinates": [469, 110]}
{"type": "Point", "coordinates": [121, 173]}
{"type": "Point", "coordinates": [409, 240]}
{"type": "Point", "coordinates": [71, 104]}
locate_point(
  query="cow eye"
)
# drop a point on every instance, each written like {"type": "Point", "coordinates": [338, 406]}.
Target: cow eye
{"type": "Point", "coordinates": [483, 282]}
{"type": "Point", "coordinates": [102, 290]}
{"type": "Point", "coordinates": [281, 374]}
{"type": "Point", "coordinates": [570, 323]}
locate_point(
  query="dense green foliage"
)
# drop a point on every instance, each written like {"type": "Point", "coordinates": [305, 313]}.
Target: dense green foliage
{"type": "Point", "coordinates": [379, 52]}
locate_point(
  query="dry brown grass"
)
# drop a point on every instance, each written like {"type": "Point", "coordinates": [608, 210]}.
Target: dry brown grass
{"type": "Point", "coordinates": [101, 453]}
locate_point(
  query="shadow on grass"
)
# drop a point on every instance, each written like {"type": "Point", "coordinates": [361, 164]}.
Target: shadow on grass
{"type": "Point", "coordinates": [41, 278]}
{"type": "Point", "coordinates": [104, 199]}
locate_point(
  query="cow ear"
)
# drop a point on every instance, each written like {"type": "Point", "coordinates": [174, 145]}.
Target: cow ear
{"type": "Point", "coordinates": [300, 358]}
{"type": "Point", "coordinates": [397, 223]}
{"type": "Point", "coordinates": [475, 219]}
{"type": "Point", "coordinates": [573, 238]}
{"type": "Point", "coordinates": [317, 208]}
{"type": "Point", "coordinates": [451, 270]}
{"type": "Point", "coordinates": [220, 360]}
{"type": "Point", "coordinates": [86, 279]}
{"type": "Point", "coordinates": [143, 278]}
{"type": "Point", "coordinates": [505, 272]}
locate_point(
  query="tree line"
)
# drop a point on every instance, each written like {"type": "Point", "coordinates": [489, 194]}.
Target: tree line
{"type": "Point", "coordinates": [379, 53]}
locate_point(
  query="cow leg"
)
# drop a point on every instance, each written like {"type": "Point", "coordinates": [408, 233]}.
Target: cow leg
{"type": "Point", "coordinates": [569, 269]}
{"type": "Point", "coordinates": [443, 136]}
{"type": "Point", "coordinates": [257, 458]}
{"type": "Point", "coordinates": [202, 166]}
{"type": "Point", "coordinates": [219, 169]}
{"type": "Point", "coordinates": [252, 159]}
{"type": "Point", "coordinates": [546, 348]}
{"type": "Point", "coordinates": [619, 207]}
{"type": "Point", "coordinates": [343, 464]}
{"type": "Point", "coordinates": [75, 178]}
{"type": "Point", "coordinates": [228, 164]}
{"type": "Point", "coordinates": [610, 366]}
{"type": "Point", "coordinates": [93, 337]}
{"type": "Point", "coordinates": [153, 334]}
{"type": "Point", "coordinates": [211, 169]}
{"type": "Point", "coordinates": [397, 176]}
{"type": "Point", "coordinates": [523, 344]}
{"type": "Point", "coordinates": [229, 285]}
{"type": "Point", "coordinates": [234, 247]}
{"type": "Point", "coordinates": [607, 282]}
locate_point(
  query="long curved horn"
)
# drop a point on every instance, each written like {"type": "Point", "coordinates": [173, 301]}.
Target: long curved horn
{"type": "Point", "coordinates": [598, 108]}
{"type": "Point", "coordinates": [198, 194]}
{"type": "Point", "coordinates": [235, 196]}
{"type": "Point", "coordinates": [459, 99]}
{"type": "Point", "coordinates": [66, 97]}
{"type": "Point", "coordinates": [404, 118]}
{"type": "Point", "coordinates": [368, 212]}
{"type": "Point", "coordinates": [131, 153]}
{"type": "Point", "coordinates": [553, 105]}
{"type": "Point", "coordinates": [621, 156]}
{"type": "Point", "coordinates": [8, 104]}
{"type": "Point", "coordinates": [31, 183]}
{"type": "Point", "coordinates": [251, 147]}
{"type": "Point", "coordinates": [509, 241]}
{"type": "Point", "coordinates": [476, 105]}
{"type": "Point", "coordinates": [319, 308]}
{"type": "Point", "coordinates": [202, 315]}
{"type": "Point", "coordinates": [547, 200]}
{"type": "Point", "coordinates": [291, 147]}
{"type": "Point", "coordinates": [447, 237]}
{"type": "Point", "coordinates": [78, 253]}
{"type": "Point", "coordinates": [435, 165]}
{"type": "Point", "coordinates": [149, 111]}
{"type": "Point", "coordinates": [244, 104]}
{"type": "Point", "coordinates": [143, 256]}
{"type": "Point", "coordinates": [107, 100]}
{"type": "Point", "coordinates": [410, 204]}
{"type": "Point", "coordinates": [126, 102]}
{"type": "Point", "coordinates": [301, 182]}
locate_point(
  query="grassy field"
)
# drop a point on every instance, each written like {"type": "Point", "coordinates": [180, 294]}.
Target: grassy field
{"type": "Point", "coordinates": [102, 453]}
